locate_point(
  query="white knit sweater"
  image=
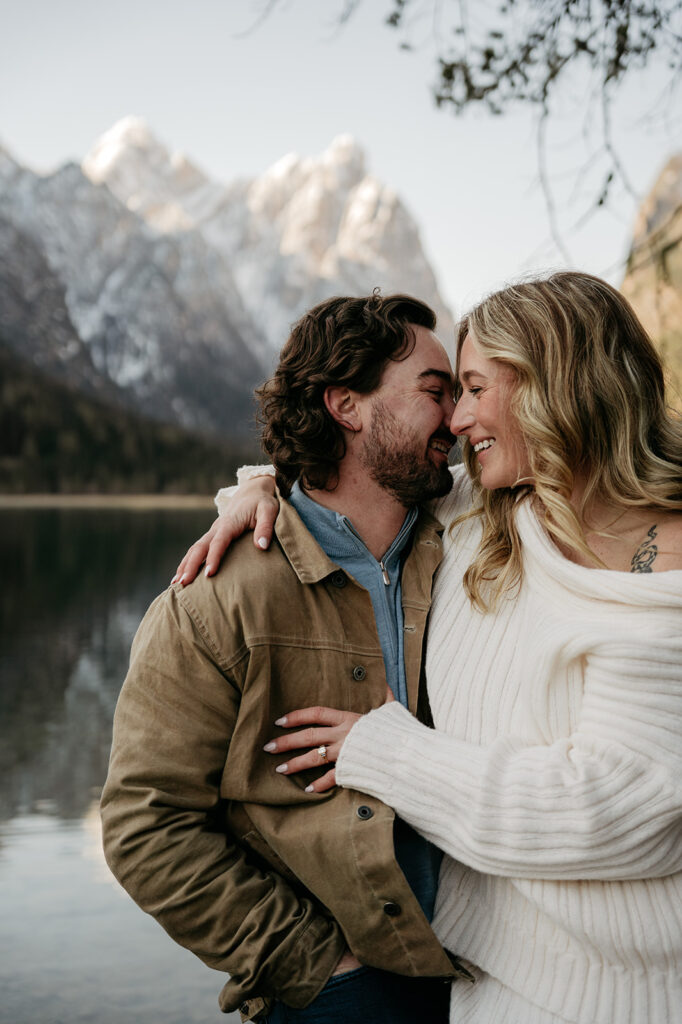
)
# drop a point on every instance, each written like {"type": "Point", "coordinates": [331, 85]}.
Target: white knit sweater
{"type": "Point", "coordinates": [553, 782]}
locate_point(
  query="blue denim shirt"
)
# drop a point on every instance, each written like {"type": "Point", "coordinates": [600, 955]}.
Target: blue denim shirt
{"type": "Point", "coordinates": [419, 860]}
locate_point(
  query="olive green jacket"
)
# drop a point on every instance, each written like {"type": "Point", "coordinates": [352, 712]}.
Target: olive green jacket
{"type": "Point", "coordinates": [238, 863]}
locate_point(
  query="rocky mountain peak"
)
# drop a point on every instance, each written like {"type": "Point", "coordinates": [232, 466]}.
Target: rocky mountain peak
{"type": "Point", "coordinates": [309, 226]}
{"type": "Point", "coordinates": [180, 288]}
{"type": "Point", "coordinates": [130, 138]}
{"type": "Point", "coordinates": [662, 202]}
{"type": "Point", "coordinates": [653, 281]}
{"type": "Point", "coordinates": [142, 172]}
{"type": "Point", "coordinates": [9, 168]}
{"type": "Point", "coordinates": [5, 154]}
{"type": "Point", "coordinates": [347, 158]}
{"type": "Point", "coordinates": [129, 135]}
{"type": "Point", "coordinates": [337, 170]}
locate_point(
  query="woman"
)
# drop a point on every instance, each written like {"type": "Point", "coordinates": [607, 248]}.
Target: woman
{"type": "Point", "coordinates": [553, 781]}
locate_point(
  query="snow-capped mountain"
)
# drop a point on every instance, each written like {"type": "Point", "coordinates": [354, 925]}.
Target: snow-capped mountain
{"type": "Point", "coordinates": [34, 316]}
{"type": "Point", "coordinates": [175, 292]}
{"type": "Point", "coordinates": [306, 229]}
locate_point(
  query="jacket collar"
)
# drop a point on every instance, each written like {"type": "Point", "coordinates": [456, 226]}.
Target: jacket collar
{"type": "Point", "coordinates": [310, 563]}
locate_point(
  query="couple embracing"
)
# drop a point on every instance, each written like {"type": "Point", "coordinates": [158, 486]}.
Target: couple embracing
{"type": "Point", "coordinates": [360, 825]}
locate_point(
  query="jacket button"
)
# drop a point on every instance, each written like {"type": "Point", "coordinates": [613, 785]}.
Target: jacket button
{"type": "Point", "coordinates": [392, 909]}
{"type": "Point", "coordinates": [339, 579]}
{"type": "Point", "coordinates": [359, 673]}
{"type": "Point", "coordinates": [365, 812]}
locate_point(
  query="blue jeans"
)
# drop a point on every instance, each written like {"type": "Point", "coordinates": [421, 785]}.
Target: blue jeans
{"type": "Point", "coordinates": [372, 997]}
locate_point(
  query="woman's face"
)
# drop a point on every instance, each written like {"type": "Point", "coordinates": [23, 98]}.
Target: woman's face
{"type": "Point", "coordinates": [484, 417]}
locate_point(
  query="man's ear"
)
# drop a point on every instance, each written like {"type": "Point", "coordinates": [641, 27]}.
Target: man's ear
{"type": "Point", "coordinates": [342, 405]}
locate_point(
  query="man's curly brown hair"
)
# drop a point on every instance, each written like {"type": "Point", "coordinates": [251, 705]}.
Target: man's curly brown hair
{"type": "Point", "coordinates": [341, 342]}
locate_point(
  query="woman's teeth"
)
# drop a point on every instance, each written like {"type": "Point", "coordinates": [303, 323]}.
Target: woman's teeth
{"type": "Point", "coordinates": [484, 444]}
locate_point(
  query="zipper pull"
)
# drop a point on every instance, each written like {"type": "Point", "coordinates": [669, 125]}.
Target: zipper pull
{"type": "Point", "coordinates": [385, 575]}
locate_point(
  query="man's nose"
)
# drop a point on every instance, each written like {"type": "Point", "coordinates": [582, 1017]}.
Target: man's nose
{"type": "Point", "coordinates": [448, 411]}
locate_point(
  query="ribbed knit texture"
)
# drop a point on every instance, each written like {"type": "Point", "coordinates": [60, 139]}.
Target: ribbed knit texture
{"type": "Point", "coordinates": [244, 473]}
{"type": "Point", "coordinates": [553, 781]}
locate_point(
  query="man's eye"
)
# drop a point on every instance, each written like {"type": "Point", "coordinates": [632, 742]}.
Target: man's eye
{"type": "Point", "coordinates": [435, 394]}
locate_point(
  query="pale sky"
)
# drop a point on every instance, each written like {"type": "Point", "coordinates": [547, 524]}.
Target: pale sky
{"type": "Point", "coordinates": [236, 100]}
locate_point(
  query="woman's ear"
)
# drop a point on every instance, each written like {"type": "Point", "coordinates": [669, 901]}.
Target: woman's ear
{"type": "Point", "coordinates": [342, 405]}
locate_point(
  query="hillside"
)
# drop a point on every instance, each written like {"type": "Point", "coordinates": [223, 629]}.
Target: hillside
{"type": "Point", "coordinates": [54, 439]}
{"type": "Point", "coordinates": [653, 280]}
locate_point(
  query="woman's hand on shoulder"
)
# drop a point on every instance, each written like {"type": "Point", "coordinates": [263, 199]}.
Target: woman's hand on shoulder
{"type": "Point", "coordinates": [253, 507]}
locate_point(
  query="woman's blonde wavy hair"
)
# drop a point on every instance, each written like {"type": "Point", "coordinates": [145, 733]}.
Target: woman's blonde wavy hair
{"type": "Point", "coordinates": [589, 399]}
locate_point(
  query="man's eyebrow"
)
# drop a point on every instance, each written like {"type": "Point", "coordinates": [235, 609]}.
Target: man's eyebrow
{"type": "Point", "coordinates": [441, 374]}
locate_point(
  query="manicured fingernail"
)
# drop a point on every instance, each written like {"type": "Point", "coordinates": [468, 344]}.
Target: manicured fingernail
{"type": "Point", "coordinates": [175, 579]}
{"type": "Point", "coordinates": [262, 543]}
{"type": "Point", "coordinates": [281, 721]}
{"type": "Point", "coordinates": [270, 746]}
{"type": "Point", "coordinates": [282, 768]}
{"type": "Point", "coordinates": [208, 571]}
{"type": "Point", "coordinates": [309, 789]}
{"type": "Point", "coordinates": [183, 578]}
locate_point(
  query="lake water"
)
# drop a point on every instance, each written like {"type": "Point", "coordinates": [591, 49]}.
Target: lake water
{"type": "Point", "coordinates": [73, 946]}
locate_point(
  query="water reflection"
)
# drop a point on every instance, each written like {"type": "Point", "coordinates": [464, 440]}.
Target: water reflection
{"type": "Point", "coordinates": [72, 946]}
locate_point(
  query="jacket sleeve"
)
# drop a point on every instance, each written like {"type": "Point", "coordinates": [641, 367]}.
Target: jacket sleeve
{"type": "Point", "coordinates": [602, 803]}
{"type": "Point", "coordinates": [164, 836]}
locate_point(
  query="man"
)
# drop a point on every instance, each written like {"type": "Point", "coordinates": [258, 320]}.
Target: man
{"type": "Point", "coordinates": [289, 892]}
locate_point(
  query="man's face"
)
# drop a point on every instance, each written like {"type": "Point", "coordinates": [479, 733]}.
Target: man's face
{"type": "Point", "coordinates": [408, 439]}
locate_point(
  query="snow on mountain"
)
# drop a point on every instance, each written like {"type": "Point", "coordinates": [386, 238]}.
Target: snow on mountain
{"type": "Point", "coordinates": [34, 319]}
{"type": "Point", "coordinates": [159, 314]}
{"type": "Point", "coordinates": [148, 179]}
{"type": "Point", "coordinates": [308, 228]}
{"type": "Point", "coordinates": [174, 292]}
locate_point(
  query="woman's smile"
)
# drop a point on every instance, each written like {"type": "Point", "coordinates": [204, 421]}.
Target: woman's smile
{"type": "Point", "coordinates": [483, 415]}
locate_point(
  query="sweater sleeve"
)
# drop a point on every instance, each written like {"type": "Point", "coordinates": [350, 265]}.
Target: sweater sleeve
{"type": "Point", "coordinates": [446, 507]}
{"type": "Point", "coordinates": [602, 803]}
{"type": "Point", "coordinates": [164, 828]}
{"type": "Point", "coordinates": [244, 473]}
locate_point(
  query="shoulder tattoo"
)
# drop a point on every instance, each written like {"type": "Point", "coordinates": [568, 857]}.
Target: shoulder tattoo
{"type": "Point", "coordinates": [644, 556]}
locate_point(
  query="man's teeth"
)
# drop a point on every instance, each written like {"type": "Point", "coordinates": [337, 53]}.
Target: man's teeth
{"type": "Point", "coordinates": [441, 446]}
{"type": "Point", "coordinates": [484, 444]}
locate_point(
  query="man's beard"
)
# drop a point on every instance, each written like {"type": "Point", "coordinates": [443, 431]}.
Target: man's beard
{"type": "Point", "coordinates": [396, 459]}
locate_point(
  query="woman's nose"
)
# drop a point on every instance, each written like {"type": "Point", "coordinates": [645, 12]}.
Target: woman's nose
{"type": "Point", "coordinates": [461, 419]}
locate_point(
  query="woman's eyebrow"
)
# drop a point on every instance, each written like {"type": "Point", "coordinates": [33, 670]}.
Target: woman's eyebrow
{"type": "Point", "coordinates": [468, 374]}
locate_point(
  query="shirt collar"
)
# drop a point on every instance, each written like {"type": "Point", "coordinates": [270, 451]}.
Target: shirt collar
{"type": "Point", "coordinates": [336, 534]}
